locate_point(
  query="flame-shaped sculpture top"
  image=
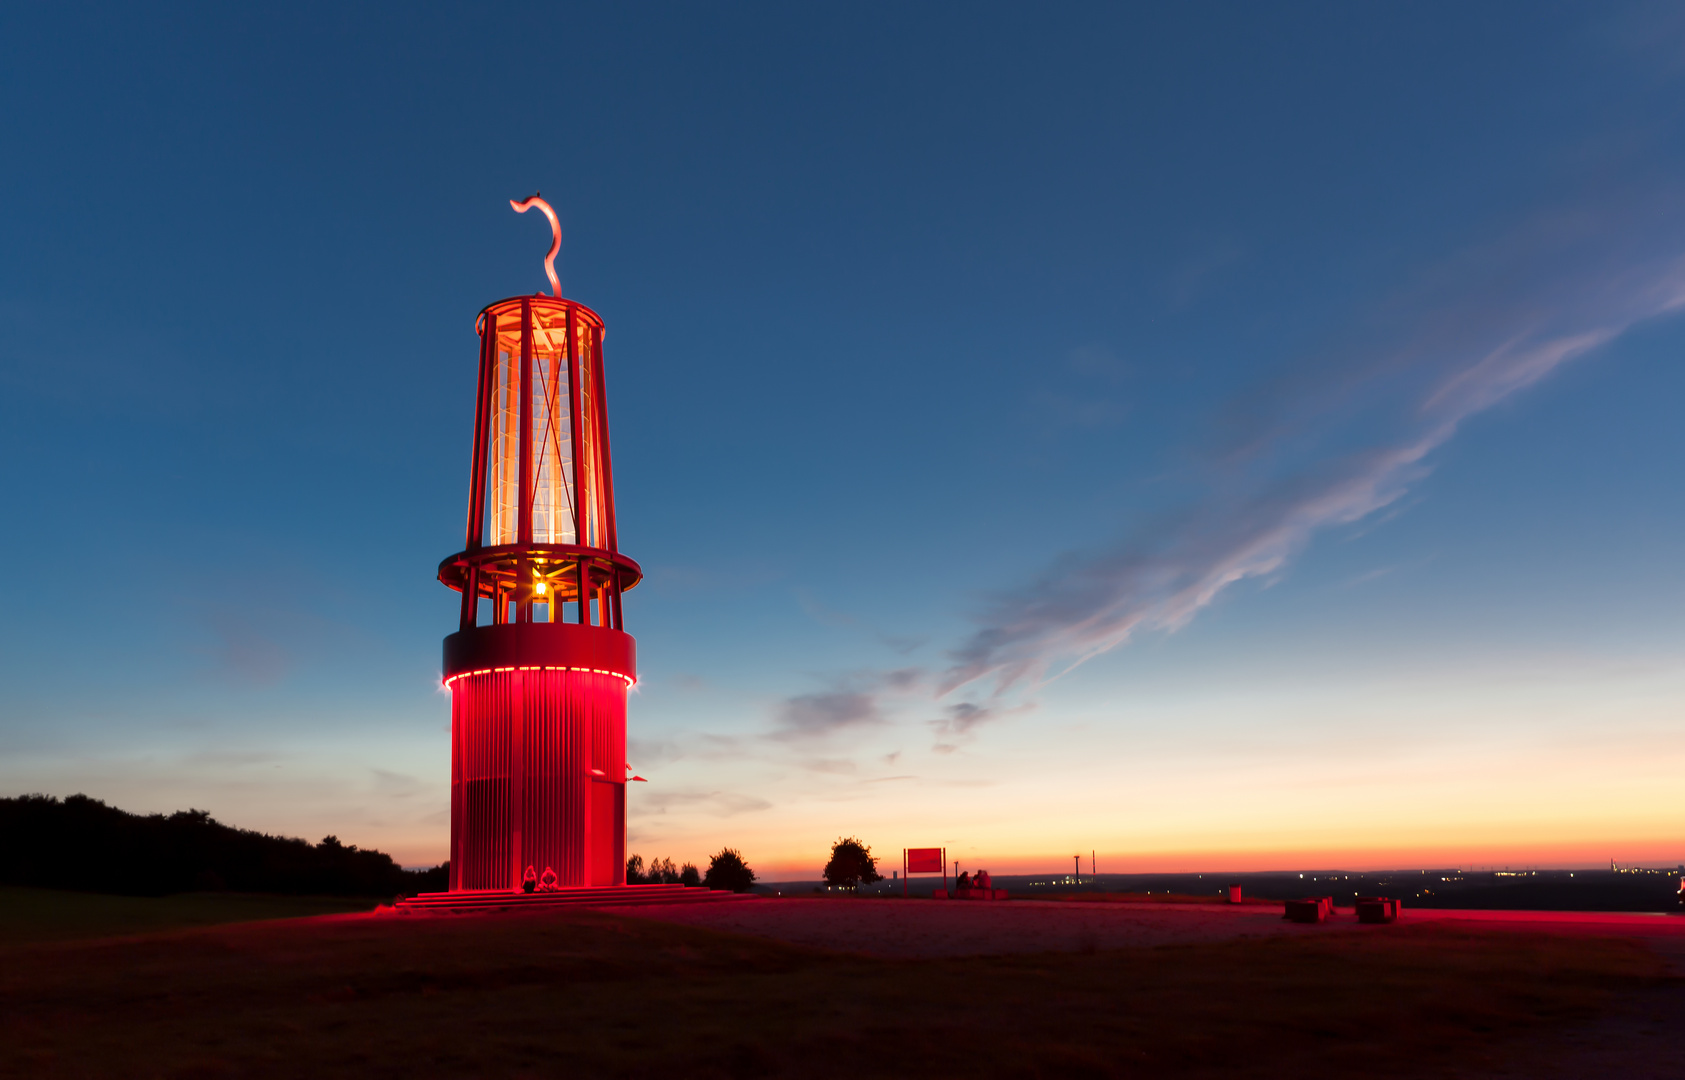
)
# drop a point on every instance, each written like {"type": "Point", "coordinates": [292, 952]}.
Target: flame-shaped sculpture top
{"type": "Point", "coordinates": [555, 238]}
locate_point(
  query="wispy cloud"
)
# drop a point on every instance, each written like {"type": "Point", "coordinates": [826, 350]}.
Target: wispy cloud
{"type": "Point", "coordinates": [1333, 443]}
{"type": "Point", "coordinates": [806, 715]}
{"type": "Point", "coordinates": [714, 803]}
{"type": "Point", "coordinates": [853, 702]}
{"type": "Point", "coordinates": [1336, 439]}
{"type": "Point", "coordinates": [960, 720]}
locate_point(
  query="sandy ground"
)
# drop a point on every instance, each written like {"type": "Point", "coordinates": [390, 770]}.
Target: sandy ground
{"type": "Point", "coordinates": [925, 928]}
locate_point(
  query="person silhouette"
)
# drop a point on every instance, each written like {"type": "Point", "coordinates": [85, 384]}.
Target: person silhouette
{"type": "Point", "coordinates": [529, 880]}
{"type": "Point", "coordinates": [547, 881]}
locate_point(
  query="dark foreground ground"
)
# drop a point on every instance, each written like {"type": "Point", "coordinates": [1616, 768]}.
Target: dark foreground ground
{"type": "Point", "coordinates": [41, 915]}
{"type": "Point", "coordinates": [848, 988]}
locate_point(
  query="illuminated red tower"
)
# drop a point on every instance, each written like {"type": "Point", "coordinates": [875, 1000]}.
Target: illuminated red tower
{"type": "Point", "coordinates": [538, 693]}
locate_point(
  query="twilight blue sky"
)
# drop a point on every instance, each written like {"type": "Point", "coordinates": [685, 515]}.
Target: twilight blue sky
{"type": "Point", "coordinates": [1218, 435]}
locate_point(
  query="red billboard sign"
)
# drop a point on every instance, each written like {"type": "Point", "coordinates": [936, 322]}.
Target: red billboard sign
{"type": "Point", "coordinates": [924, 860]}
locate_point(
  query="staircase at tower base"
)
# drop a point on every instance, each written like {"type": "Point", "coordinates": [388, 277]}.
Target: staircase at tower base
{"type": "Point", "coordinates": [604, 896]}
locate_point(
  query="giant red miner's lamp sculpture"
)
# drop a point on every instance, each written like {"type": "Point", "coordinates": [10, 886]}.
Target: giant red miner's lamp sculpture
{"type": "Point", "coordinates": [538, 695]}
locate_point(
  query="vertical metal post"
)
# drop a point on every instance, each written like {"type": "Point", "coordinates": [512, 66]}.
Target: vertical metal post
{"type": "Point", "coordinates": [470, 598]}
{"type": "Point", "coordinates": [523, 525]}
{"type": "Point", "coordinates": [555, 482]}
{"type": "Point", "coordinates": [584, 592]}
{"type": "Point", "coordinates": [459, 717]}
{"type": "Point", "coordinates": [574, 433]}
{"type": "Point", "coordinates": [600, 415]}
{"type": "Point", "coordinates": [482, 421]}
{"type": "Point", "coordinates": [477, 471]}
{"type": "Point", "coordinates": [517, 776]}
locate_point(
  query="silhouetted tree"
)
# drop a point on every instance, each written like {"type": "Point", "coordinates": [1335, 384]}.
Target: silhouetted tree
{"type": "Point", "coordinates": [727, 870]}
{"type": "Point", "coordinates": [688, 875]}
{"type": "Point", "coordinates": [81, 843]}
{"type": "Point", "coordinates": [438, 879]}
{"type": "Point", "coordinates": [659, 872]}
{"type": "Point", "coordinates": [851, 865]}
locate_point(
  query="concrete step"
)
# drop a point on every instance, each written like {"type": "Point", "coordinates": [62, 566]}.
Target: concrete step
{"type": "Point", "coordinates": [597, 896]}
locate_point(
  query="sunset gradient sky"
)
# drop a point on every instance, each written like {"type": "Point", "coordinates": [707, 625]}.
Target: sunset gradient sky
{"type": "Point", "coordinates": [1222, 436]}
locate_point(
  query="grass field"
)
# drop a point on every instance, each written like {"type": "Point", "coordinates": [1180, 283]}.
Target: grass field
{"type": "Point", "coordinates": [586, 994]}
{"type": "Point", "coordinates": [38, 915]}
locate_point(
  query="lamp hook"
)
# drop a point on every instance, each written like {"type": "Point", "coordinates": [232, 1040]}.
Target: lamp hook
{"type": "Point", "coordinates": [555, 237]}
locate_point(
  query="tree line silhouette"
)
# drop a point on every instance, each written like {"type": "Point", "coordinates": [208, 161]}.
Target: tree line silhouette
{"type": "Point", "coordinates": [726, 870]}
{"type": "Point", "coordinates": [81, 843]}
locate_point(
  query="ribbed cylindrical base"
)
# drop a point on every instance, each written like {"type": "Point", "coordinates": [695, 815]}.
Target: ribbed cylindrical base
{"type": "Point", "coordinates": [538, 777]}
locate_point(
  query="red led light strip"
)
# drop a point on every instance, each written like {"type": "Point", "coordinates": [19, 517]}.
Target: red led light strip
{"type": "Point", "coordinates": [541, 667]}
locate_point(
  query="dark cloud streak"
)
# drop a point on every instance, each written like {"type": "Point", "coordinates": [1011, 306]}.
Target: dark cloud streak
{"type": "Point", "coordinates": [1335, 441]}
